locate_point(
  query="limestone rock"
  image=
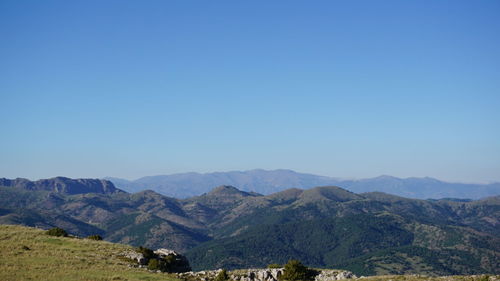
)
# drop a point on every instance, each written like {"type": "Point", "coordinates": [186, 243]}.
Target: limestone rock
{"type": "Point", "coordinates": [267, 274]}
{"type": "Point", "coordinates": [330, 275]}
{"type": "Point", "coordinates": [162, 252]}
{"type": "Point", "coordinates": [138, 257]}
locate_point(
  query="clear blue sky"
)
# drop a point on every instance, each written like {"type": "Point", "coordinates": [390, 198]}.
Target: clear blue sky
{"type": "Point", "coordinates": [338, 88]}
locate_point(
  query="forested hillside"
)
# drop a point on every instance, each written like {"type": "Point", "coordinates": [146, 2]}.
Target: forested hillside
{"type": "Point", "coordinates": [368, 233]}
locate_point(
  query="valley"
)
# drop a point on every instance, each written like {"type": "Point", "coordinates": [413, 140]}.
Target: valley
{"type": "Point", "coordinates": [324, 227]}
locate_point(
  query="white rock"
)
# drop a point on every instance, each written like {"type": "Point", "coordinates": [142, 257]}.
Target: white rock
{"type": "Point", "coordinates": [135, 256]}
{"type": "Point", "coordinates": [165, 252]}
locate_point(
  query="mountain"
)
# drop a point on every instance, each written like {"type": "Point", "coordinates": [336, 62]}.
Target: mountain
{"type": "Point", "coordinates": [193, 184]}
{"type": "Point", "coordinates": [268, 182]}
{"type": "Point", "coordinates": [144, 218]}
{"type": "Point", "coordinates": [63, 185]}
{"type": "Point", "coordinates": [372, 233]}
{"type": "Point", "coordinates": [326, 226]}
{"type": "Point", "coordinates": [422, 188]}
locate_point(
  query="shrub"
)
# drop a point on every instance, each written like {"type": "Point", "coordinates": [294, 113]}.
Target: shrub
{"type": "Point", "coordinates": [168, 263]}
{"type": "Point", "coordinates": [222, 276]}
{"type": "Point", "coordinates": [147, 253]}
{"type": "Point", "coordinates": [56, 231]}
{"type": "Point", "coordinates": [274, 265]}
{"type": "Point", "coordinates": [296, 271]}
{"type": "Point", "coordinates": [169, 259]}
{"type": "Point", "coordinates": [95, 237]}
{"type": "Point", "coordinates": [153, 264]}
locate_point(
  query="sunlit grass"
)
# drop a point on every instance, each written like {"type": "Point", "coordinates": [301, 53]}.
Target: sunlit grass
{"type": "Point", "coordinates": [29, 254]}
{"type": "Point", "coordinates": [422, 277]}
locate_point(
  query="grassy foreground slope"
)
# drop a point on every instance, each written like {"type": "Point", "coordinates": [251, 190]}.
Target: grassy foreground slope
{"type": "Point", "coordinates": [29, 254]}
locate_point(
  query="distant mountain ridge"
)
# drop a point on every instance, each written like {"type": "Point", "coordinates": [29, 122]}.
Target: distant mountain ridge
{"type": "Point", "coordinates": [267, 182]}
{"type": "Point", "coordinates": [63, 185]}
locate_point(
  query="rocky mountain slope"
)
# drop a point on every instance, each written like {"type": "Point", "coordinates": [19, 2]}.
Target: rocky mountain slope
{"type": "Point", "coordinates": [268, 182]}
{"type": "Point", "coordinates": [368, 233]}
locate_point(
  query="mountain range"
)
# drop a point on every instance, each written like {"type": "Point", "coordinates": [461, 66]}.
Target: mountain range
{"type": "Point", "coordinates": [266, 182]}
{"type": "Point", "coordinates": [327, 226]}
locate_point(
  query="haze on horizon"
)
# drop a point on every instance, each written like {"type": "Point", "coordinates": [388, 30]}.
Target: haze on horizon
{"type": "Point", "coordinates": [343, 89]}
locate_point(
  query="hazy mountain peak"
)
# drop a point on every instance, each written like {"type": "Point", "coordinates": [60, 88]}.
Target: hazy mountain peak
{"type": "Point", "coordinates": [271, 181]}
{"type": "Point", "coordinates": [330, 193]}
{"type": "Point", "coordinates": [385, 177]}
{"type": "Point", "coordinates": [227, 190]}
{"type": "Point", "coordinates": [148, 192]}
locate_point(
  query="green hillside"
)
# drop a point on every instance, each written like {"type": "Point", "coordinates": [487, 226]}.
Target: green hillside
{"type": "Point", "coordinates": [368, 233]}
{"type": "Point", "coordinates": [365, 244]}
{"type": "Point", "coordinates": [30, 254]}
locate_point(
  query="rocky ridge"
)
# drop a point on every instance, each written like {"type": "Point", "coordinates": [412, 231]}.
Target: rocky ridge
{"type": "Point", "coordinates": [266, 274]}
{"type": "Point", "coordinates": [63, 185]}
{"type": "Point", "coordinates": [267, 182]}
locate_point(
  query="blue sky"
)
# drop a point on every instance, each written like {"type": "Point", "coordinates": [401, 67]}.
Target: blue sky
{"type": "Point", "coordinates": [339, 88]}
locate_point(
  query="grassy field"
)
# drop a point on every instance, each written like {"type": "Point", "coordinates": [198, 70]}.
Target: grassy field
{"type": "Point", "coordinates": [29, 254]}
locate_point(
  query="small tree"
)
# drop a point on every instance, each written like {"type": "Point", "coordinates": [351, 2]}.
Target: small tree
{"type": "Point", "coordinates": [222, 276]}
{"type": "Point", "coordinates": [274, 265]}
{"type": "Point", "coordinates": [147, 253]}
{"type": "Point", "coordinates": [56, 231]}
{"type": "Point", "coordinates": [153, 264]}
{"type": "Point", "coordinates": [94, 237]}
{"type": "Point", "coordinates": [296, 271]}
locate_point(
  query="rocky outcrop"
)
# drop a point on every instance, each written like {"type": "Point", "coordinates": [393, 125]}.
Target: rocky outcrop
{"type": "Point", "coordinates": [330, 275]}
{"type": "Point", "coordinates": [63, 185]}
{"type": "Point", "coordinates": [268, 274]}
{"type": "Point", "coordinates": [135, 256]}
{"type": "Point", "coordinates": [176, 262]}
{"type": "Point", "coordinates": [167, 260]}
{"type": "Point", "coordinates": [166, 252]}
{"type": "Point", "coordinates": [236, 275]}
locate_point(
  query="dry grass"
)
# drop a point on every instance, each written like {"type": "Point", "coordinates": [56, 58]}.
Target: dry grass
{"type": "Point", "coordinates": [422, 278]}
{"type": "Point", "coordinates": [29, 254]}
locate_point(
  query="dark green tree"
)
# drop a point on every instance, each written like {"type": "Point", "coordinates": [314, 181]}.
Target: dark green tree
{"type": "Point", "coordinates": [222, 276]}
{"type": "Point", "coordinates": [296, 271]}
{"type": "Point", "coordinates": [153, 264]}
{"type": "Point", "coordinates": [147, 253]}
{"type": "Point", "coordinates": [95, 237]}
{"type": "Point", "coordinates": [56, 231]}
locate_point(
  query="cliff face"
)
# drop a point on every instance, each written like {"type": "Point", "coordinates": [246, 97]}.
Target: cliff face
{"type": "Point", "coordinates": [63, 185]}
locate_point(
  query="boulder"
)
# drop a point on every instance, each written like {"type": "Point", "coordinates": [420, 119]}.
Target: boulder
{"type": "Point", "coordinates": [162, 252]}
{"type": "Point", "coordinates": [138, 257]}
{"type": "Point", "coordinates": [176, 262]}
